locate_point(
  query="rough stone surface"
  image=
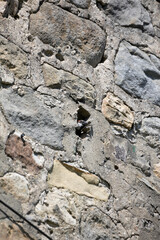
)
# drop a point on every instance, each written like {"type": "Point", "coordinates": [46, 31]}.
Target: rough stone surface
{"type": "Point", "coordinates": [137, 74]}
{"type": "Point", "coordinates": [30, 118]}
{"type": "Point", "coordinates": [51, 76]}
{"type": "Point", "coordinates": [151, 126]}
{"type": "Point", "coordinates": [13, 58]}
{"type": "Point", "coordinates": [62, 61]}
{"type": "Point", "coordinates": [116, 111]}
{"type": "Point", "coordinates": [88, 39]}
{"type": "Point", "coordinates": [16, 185]}
{"type": "Point", "coordinates": [77, 88]}
{"type": "Point", "coordinates": [130, 13]}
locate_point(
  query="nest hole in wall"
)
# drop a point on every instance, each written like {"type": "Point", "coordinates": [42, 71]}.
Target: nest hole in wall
{"type": "Point", "coordinates": [83, 116]}
{"type": "Point", "coordinates": [59, 56]}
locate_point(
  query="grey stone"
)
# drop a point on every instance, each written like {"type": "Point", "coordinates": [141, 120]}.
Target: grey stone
{"type": "Point", "coordinates": [28, 114]}
{"type": "Point", "coordinates": [92, 218]}
{"type": "Point", "coordinates": [130, 13]}
{"type": "Point", "coordinates": [80, 90]}
{"type": "Point", "coordinates": [4, 163]}
{"type": "Point", "coordinates": [97, 141]}
{"type": "Point", "coordinates": [81, 3]}
{"type": "Point", "coordinates": [11, 202]}
{"type": "Point", "coordinates": [151, 126]}
{"type": "Point", "coordinates": [88, 40]}
{"type": "Point", "coordinates": [6, 77]}
{"type": "Point", "coordinates": [137, 74]}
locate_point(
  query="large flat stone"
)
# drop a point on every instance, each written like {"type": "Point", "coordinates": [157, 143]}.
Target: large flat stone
{"type": "Point", "coordinates": [59, 28]}
{"type": "Point", "coordinates": [66, 176]}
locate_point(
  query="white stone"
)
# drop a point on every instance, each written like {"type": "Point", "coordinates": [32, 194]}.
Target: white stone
{"type": "Point", "coordinates": [16, 185]}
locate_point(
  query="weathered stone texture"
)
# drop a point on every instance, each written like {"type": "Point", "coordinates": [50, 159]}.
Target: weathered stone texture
{"type": "Point", "coordinates": [137, 73]}
{"type": "Point", "coordinates": [116, 111]}
{"type": "Point", "coordinates": [27, 115]}
{"type": "Point", "coordinates": [130, 13]}
{"type": "Point", "coordinates": [13, 58]}
{"type": "Point", "coordinates": [16, 185]}
{"type": "Point", "coordinates": [51, 76]}
{"type": "Point", "coordinates": [88, 39]}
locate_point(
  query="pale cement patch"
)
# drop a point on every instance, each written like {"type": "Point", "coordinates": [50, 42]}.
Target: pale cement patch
{"type": "Point", "coordinates": [57, 208]}
{"type": "Point", "coordinates": [66, 176]}
{"type": "Point", "coordinates": [116, 111]}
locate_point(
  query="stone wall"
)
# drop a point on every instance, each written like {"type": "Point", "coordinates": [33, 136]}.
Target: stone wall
{"type": "Point", "coordinates": [64, 64]}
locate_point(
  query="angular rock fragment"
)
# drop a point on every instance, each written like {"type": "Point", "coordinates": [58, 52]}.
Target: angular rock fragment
{"type": "Point", "coordinates": [137, 73]}
{"type": "Point", "coordinates": [51, 76]}
{"type": "Point", "coordinates": [80, 90]}
{"type": "Point", "coordinates": [66, 176]}
{"type": "Point", "coordinates": [77, 88]}
{"type": "Point", "coordinates": [57, 27]}
{"type": "Point", "coordinates": [16, 185]}
{"type": "Point", "coordinates": [116, 111]}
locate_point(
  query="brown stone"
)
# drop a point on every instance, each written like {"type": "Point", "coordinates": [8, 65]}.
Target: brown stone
{"type": "Point", "coordinates": [116, 111]}
{"type": "Point", "coordinates": [157, 170]}
{"type": "Point", "coordinates": [9, 231]}
{"type": "Point", "coordinates": [17, 150]}
{"type": "Point", "coordinates": [59, 28]}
